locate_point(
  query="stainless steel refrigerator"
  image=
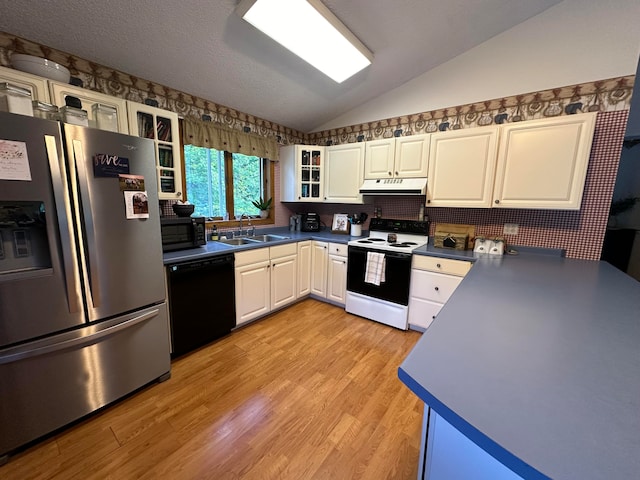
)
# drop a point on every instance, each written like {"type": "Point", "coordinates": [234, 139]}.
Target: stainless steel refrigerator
{"type": "Point", "coordinates": [83, 317]}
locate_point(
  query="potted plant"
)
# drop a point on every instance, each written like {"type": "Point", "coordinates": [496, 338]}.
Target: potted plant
{"type": "Point", "coordinates": [263, 206]}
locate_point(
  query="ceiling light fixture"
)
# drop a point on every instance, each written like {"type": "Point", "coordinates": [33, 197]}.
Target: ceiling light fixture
{"type": "Point", "coordinates": [311, 31]}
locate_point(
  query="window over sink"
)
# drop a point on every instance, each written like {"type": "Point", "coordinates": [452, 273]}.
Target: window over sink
{"type": "Point", "coordinates": [220, 182]}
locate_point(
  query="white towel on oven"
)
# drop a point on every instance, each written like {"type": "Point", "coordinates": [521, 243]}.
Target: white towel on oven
{"type": "Point", "coordinates": [375, 271]}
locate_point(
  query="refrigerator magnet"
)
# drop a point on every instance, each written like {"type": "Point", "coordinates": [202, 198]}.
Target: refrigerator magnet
{"type": "Point", "coordinates": [105, 165]}
{"type": "Point", "coordinates": [136, 204]}
{"type": "Point", "coordinates": [14, 162]}
{"type": "Point", "coordinates": [131, 182]}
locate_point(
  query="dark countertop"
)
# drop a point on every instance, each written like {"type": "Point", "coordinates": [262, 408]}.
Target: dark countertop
{"type": "Point", "coordinates": [536, 359]}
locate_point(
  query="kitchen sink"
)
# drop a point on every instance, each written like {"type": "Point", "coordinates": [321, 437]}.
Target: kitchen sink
{"type": "Point", "coordinates": [251, 240]}
{"type": "Point", "coordinates": [267, 238]}
{"type": "Point", "coordinates": [238, 241]}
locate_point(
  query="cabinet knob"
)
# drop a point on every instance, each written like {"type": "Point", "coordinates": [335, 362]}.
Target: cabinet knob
{"type": "Point", "coordinates": [396, 173]}
{"type": "Point", "coordinates": [389, 173]}
{"type": "Point", "coordinates": [438, 265]}
{"type": "Point", "coordinates": [178, 194]}
{"type": "Point", "coordinates": [428, 200]}
{"type": "Point", "coordinates": [437, 289]}
{"type": "Point", "coordinates": [344, 262]}
{"type": "Point", "coordinates": [497, 201]}
{"type": "Point", "coordinates": [433, 317]}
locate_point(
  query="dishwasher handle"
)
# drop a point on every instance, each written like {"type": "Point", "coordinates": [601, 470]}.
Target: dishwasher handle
{"type": "Point", "coordinates": [205, 264]}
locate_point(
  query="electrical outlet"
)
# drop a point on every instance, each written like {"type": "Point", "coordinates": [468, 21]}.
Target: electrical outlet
{"type": "Point", "coordinates": [510, 229]}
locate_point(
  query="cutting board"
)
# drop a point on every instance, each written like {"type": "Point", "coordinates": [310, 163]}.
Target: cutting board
{"type": "Point", "coordinates": [444, 229]}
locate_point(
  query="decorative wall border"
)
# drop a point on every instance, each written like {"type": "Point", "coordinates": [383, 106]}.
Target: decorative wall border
{"type": "Point", "coordinates": [599, 96]}
{"type": "Point", "coordinates": [112, 82]}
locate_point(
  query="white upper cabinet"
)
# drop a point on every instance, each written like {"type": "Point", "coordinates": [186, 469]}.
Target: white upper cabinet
{"type": "Point", "coordinates": [462, 168]}
{"type": "Point", "coordinates": [36, 85]}
{"type": "Point", "coordinates": [542, 164]}
{"type": "Point", "coordinates": [344, 168]}
{"type": "Point", "coordinates": [161, 126]}
{"type": "Point", "coordinates": [89, 98]}
{"type": "Point", "coordinates": [302, 173]}
{"type": "Point", "coordinates": [379, 157]}
{"type": "Point", "coordinates": [398, 157]}
{"type": "Point", "coordinates": [411, 156]}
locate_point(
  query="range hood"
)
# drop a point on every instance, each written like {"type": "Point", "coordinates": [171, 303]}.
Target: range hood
{"type": "Point", "coordinates": [394, 186]}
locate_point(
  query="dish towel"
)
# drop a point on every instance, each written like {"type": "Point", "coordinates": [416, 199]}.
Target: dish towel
{"type": "Point", "coordinates": [376, 266]}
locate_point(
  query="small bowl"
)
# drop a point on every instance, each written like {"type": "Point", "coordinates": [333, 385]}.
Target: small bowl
{"type": "Point", "coordinates": [183, 210]}
{"type": "Point", "coordinates": [40, 66]}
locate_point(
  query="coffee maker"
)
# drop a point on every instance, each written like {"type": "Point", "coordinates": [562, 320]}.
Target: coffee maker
{"type": "Point", "coordinates": [310, 222]}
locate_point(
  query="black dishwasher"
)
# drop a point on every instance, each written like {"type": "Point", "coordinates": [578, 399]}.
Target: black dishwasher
{"type": "Point", "coordinates": [202, 302]}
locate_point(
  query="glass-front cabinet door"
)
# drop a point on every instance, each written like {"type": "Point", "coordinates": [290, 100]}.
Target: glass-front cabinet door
{"type": "Point", "coordinates": [311, 163]}
{"type": "Point", "coordinates": [161, 126]}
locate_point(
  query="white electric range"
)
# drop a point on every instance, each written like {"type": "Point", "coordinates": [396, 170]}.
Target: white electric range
{"type": "Point", "coordinates": [379, 270]}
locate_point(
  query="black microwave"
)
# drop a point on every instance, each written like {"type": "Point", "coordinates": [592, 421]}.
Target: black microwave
{"type": "Point", "coordinates": [182, 232]}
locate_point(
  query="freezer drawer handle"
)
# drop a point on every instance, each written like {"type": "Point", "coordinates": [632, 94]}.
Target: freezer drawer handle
{"type": "Point", "coordinates": [78, 342]}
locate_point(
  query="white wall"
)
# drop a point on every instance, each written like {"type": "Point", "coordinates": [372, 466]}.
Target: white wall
{"type": "Point", "coordinates": [574, 42]}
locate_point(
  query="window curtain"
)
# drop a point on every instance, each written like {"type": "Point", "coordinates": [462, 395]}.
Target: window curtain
{"type": "Point", "coordinates": [211, 135]}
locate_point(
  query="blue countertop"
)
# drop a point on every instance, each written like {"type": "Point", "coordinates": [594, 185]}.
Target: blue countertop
{"type": "Point", "coordinates": [213, 248]}
{"type": "Point", "coordinates": [536, 359]}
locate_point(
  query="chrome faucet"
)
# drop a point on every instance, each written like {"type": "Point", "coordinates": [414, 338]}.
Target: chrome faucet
{"type": "Point", "coordinates": [250, 228]}
{"type": "Point", "coordinates": [240, 230]}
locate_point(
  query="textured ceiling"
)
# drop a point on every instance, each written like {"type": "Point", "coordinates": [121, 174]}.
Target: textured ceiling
{"type": "Point", "coordinates": [203, 48]}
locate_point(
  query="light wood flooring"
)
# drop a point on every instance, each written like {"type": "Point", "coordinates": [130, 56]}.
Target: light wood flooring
{"type": "Point", "coordinates": [310, 392]}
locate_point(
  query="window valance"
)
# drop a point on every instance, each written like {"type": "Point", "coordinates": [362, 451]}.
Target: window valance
{"type": "Point", "coordinates": [212, 135]}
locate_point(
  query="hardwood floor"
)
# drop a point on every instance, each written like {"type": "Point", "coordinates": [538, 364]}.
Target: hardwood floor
{"type": "Point", "coordinates": [310, 392]}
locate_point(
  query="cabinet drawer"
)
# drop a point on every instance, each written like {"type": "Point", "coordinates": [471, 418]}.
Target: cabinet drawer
{"type": "Point", "coordinates": [441, 265]}
{"type": "Point", "coordinates": [422, 312]}
{"type": "Point", "coordinates": [283, 250]}
{"type": "Point", "coordinates": [338, 249]}
{"type": "Point", "coordinates": [433, 286]}
{"type": "Point", "coordinates": [252, 256]}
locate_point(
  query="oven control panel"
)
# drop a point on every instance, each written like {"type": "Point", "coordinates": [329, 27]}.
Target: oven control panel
{"type": "Point", "coordinates": [418, 227]}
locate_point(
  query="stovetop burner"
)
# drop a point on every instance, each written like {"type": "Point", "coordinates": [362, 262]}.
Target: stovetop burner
{"type": "Point", "coordinates": [371, 240]}
{"type": "Point", "coordinates": [394, 235]}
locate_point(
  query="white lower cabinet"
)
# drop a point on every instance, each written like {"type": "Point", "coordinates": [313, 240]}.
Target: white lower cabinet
{"type": "Point", "coordinates": [433, 281]}
{"type": "Point", "coordinates": [284, 272]}
{"type": "Point", "coordinates": [319, 257]}
{"type": "Point", "coordinates": [266, 279]}
{"type": "Point", "coordinates": [337, 273]}
{"type": "Point", "coordinates": [329, 271]}
{"type": "Point", "coordinates": [252, 276]}
{"type": "Point", "coordinates": [304, 268]}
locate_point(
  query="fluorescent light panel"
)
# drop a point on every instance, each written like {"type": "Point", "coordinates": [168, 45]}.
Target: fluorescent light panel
{"type": "Point", "coordinates": [311, 31]}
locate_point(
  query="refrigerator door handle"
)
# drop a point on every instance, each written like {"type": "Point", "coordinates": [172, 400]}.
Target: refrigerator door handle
{"type": "Point", "coordinates": [93, 290]}
{"type": "Point", "coordinates": [78, 342]}
{"type": "Point", "coordinates": [63, 210]}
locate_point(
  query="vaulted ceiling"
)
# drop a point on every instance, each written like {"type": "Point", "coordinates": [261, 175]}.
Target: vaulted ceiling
{"type": "Point", "coordinates": [203, 48]}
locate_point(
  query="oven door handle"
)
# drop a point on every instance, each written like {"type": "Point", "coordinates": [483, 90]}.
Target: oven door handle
{"type": "Point", "coordinates": [386, 253]}
{"type": "Point", "coordinates": [396, 255]}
